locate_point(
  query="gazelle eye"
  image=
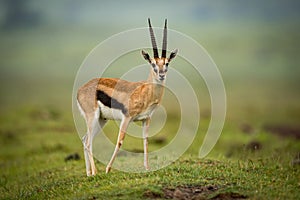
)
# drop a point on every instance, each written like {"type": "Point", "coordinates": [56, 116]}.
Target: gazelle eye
{"type": "Point", "coordinates": [166, 68]}
{"type": "Point", "coordinates": [155, 70]}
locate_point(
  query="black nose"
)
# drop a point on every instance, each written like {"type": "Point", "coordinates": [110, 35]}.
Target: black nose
{"type": "Point", "coordinates": [161, 77]}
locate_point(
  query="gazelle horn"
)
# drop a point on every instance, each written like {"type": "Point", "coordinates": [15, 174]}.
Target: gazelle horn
{"type": "Point", "coordinates": [164, 45]}
{"type": "Point", "coordinates": [154, 46]}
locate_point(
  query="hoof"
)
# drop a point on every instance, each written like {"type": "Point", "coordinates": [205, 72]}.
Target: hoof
{"type": "Point", "coordinates": [146, 166]}
{"type": "Point", "coordinates": [88, 174]}
{"type": "Point", "coordinates": [108, 169]}
{"type": "Point", "coordinates": [94, 172]}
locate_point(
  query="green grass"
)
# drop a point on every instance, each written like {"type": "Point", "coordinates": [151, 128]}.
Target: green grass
{"type": "Point", "coordinates": [65, 180]}
{"type": "Point", "coordinates": [35, 142]}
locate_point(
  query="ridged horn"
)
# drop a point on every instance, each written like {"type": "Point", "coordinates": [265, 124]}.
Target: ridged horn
{"type": "Point", "coordinates": [154, 46]}
{"type": "Point", "coordinates": [164, 45]}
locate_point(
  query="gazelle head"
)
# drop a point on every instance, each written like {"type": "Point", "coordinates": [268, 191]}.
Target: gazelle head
{"type": "Point", "coordinates": [159, 64]}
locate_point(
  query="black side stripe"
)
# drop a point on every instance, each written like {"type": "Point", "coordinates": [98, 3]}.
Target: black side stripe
{"type": "Point", "coordinates": [110, 102]}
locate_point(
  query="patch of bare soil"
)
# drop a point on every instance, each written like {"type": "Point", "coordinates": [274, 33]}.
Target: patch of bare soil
{"type": "Point", "coordinates": [229, 195]}
{"type": "Point", "coordinates": [283, 130]}
{"type": "Point", "coordinates": [189, 192]}
{"type": "Point", "coordinates": [192, 192]}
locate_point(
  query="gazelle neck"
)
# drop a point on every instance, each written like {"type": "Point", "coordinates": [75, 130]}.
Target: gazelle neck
{"type": "Point", "coordinates": [157, 86]}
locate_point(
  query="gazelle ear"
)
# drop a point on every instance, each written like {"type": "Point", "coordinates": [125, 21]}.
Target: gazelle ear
{"type": "Point", "coordinates": [146, 56]}
{"type": "Point", "coordinates": [172, 54]}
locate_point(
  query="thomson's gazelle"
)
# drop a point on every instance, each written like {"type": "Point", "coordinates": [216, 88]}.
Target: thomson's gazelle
{"type": "Point", "coordinates": [103, 99]}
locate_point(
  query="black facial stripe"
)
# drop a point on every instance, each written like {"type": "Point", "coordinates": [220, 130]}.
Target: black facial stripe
{"type": "Point", "coordinates": [154, 67]}
{"type": "Point", "coordinates": [110, 102]}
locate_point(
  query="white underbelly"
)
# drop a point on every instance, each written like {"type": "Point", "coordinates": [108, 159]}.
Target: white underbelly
{"type": "Point", "coordinates": [109, 113]}
{"type": "Point", "coordinates": [116, 114]}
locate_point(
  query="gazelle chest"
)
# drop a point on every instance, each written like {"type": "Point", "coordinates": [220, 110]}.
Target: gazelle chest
{"type": "Point", "coordinates": [146, 114]}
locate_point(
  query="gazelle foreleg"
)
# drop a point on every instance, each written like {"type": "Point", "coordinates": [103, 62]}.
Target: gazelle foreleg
{"type": "Point", "coordinates": [122, 132]}
{"type": "Point", "coordinates": [146, 123]}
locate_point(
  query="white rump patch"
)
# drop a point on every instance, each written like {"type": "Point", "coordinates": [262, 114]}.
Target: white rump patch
{"type": "Point", "coordinates": [80, 109]}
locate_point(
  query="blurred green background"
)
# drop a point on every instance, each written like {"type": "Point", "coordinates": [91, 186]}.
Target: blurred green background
{"type": "Point", "coordinates": [255, 44]}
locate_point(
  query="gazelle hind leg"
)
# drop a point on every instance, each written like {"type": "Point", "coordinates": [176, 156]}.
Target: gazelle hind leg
{"type": "Point", "coordinates": [85, 142]}
{"type": "Point", "coordinates": [121, 136]}
{"type": "Point", "coordinates": [86, 154]}
{"type": "Point", "coordinates": [92, 129]}
{"type": "Point", "coordinates": [96, 129]}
